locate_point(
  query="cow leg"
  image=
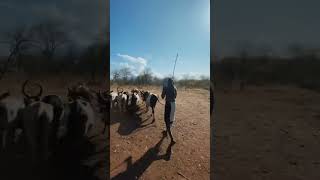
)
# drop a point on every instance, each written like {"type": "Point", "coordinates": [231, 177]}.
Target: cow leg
{"type": "Point", "coordinates": [105, 125]}
{"type": "Point", "coordinates": [32, 141]}
{"type": "Point", "coordinates": [4, 139]}
{"type": "Point", "coordinates": [153, 119]}
{"type": "Point", "coordinates": [118, 107]}
{"type": "Point", "coordinates": [17, 135]}
{"type": "Point", "coordinates": [44, 143]}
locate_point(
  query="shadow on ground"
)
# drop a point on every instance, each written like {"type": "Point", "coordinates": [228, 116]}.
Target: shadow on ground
{"type": "Point", "coordinates": [71, 161]}
{"type": "Point", "coordinates": [135, 170]}
{"type": "Point", "coordinates": [131, 122]}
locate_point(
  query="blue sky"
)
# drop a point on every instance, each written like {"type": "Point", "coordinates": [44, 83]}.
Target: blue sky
{"type": "Point", "coordinates": [149, 33]}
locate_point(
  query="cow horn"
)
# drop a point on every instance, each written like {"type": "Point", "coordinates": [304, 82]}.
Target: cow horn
{"type": "Point", "coordinates": [40, 91]}
{"type": "Point", "coordinates": [23, 89]}
{"type": "Point", "coordinates": [30, 96]}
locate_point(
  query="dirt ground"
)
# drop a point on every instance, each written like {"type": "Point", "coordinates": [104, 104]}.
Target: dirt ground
{"type": "Point", "coordinates": [139, 150]}
{"type": "Point", "coordinates": [267, 133]}
{"type": "Point", "coordinates": [86, 159]}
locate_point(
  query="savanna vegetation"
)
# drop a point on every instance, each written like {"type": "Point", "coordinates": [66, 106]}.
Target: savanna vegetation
{"type": "Point", "coordinates": [124, 76]}
{"type": "Point", "coordinates": [47, 48]}
{"type": "Point", "coordinates": [300, 68]}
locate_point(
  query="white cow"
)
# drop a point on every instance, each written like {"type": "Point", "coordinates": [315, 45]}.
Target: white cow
{"type": "Point", "coordinates": [86, 110]}
{"type": "Point", "coordinates": [122, 100]}
{"type": "Point", "coordinates": [10, 108]}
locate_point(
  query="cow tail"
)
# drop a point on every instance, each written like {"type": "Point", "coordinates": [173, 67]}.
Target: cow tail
{"type": "Point", "coordinates": [159, 100]}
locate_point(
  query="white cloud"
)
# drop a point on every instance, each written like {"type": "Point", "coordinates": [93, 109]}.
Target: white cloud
{"type": "Point", "coordinates": [138, 60]}
{"type": "Point", "coordinates": [126, 65]}
{"type": "Point", "coordinates": [191, 75]}
{"type": "Point", "coordinates": [158, 75]}
{"type": "Point", "coordinates": [136, 64]}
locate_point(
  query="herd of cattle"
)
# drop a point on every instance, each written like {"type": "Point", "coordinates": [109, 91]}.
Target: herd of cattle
{"type": "Point", "coordinates": [129, 101]}
{"type": "Point", "coordinates": [44, 122]}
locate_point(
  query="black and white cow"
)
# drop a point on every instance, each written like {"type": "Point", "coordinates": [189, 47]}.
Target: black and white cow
{"type": "Point", "coordinates": [133, 101]}
{"type": "Point", "coordinates": [10, 113]}
{"type": "Point", "coordinates": [150, 100]}
{"type": "Point", "coordinates": [105, 100]}
{"type": "Point", "coordinates": [58, 113]}
{"type": "Point", "coordinates": [114, 99]}
{"type": "Point", "coordinates": [84, 92]}
{"type": "Point", "coordinates": [81, 117]}
{"type": "Point", "coordinates": [122, 99]}
{"type": "Point", "coordinates": [81, 90]}
{"type": "Point", "coordinates": [37, 120]}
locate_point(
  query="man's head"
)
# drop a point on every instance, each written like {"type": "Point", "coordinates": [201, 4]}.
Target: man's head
{"type": "Point", "coordinates": [167, 82]}
{"type": "Point", "coordinates": [170, 82]}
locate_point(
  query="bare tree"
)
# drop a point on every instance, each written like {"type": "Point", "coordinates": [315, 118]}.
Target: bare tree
{"type": "Point", "coordinates": [48, 36]}
{"type": "Point", "coordinates": [17, 41]}
{"type": "Point", "coordinates": [146, 76]}
{"type": "Point", "coordinates": [115, 75]}
{"type": "Point", "coordinates": [186, 77]}
{"type": "Point", "coordinates": [239, 69]}
{"type": "Point", "coordinates": [125, 74]}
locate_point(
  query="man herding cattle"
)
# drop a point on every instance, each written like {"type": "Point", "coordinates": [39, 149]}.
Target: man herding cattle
{"type": "Point", "coordinates": [169, 92]}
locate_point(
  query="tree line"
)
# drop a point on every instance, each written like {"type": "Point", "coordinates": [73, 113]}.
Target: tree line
{"type": "Point", "coordinates": [47, 47]}
{"type": "Point", "coordinates": [299, 68]}
{"type": "Point", "coordinates": [124, 76]}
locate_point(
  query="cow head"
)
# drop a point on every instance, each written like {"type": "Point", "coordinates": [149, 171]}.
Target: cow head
{"type": "Point", "coordinates": [144, 95]}
{"type": "Point", "coordinates": [79, 90]}
{"type": "Point", "coordinates": [119, 91]}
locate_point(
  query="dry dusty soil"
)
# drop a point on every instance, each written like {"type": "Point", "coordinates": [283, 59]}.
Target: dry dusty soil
{"type": "Point", "coordinates": [80, 160]}
{"type": "Point", "coordinates": [138, 149]}
{"type": "Point", "coordinates": [267, 133]}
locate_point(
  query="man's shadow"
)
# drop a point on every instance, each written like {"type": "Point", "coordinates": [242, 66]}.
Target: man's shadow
{"type": "Point", "coordinates": [129, 122]}
{"type": "Point", "coordinates": [135, 170]}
